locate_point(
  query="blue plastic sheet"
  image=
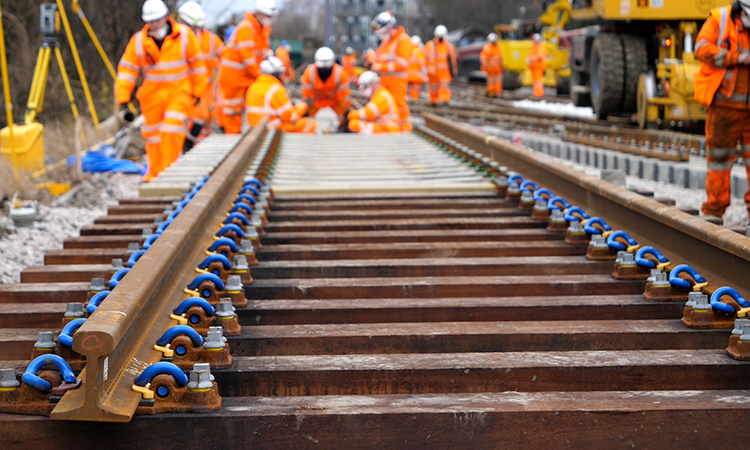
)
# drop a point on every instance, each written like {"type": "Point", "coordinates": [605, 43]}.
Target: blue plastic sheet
{"type": "Point", "coordinates": [103, 160]}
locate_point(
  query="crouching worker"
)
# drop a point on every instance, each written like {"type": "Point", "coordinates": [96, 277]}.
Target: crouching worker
{"type": "Point", "coordinates": [380, 115]}
{"type": "Point", "coordinates": [268, 97]}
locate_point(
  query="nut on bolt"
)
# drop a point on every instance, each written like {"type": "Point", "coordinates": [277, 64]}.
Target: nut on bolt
{"type": "Point", "coordinates": [73, 310]}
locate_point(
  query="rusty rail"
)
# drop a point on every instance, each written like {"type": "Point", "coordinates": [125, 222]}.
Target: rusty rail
{"type": "Point", "coordinates": [118, 339]}
{"type": "Point", "coordinates": [724, 254]}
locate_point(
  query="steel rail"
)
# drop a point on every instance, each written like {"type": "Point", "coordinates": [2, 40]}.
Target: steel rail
{"type": "Point", "coordinates": [719, 254]}
{"type": "Point", "coordinates": [118, 339]}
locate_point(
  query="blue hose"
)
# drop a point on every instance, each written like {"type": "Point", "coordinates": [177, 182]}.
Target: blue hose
{"type": "Point", "coordinates": [675, 280]}
{"type": "Point", "coordinates": [66, 335]}
{"type": "Point", "coordinates": [162, 368]}
{"type": "Point", "coordinates": [716, 302]}
{"type": "Point", "coordinates": [30, 377]}
{"type": "Point", "coordinates": [96, 301]}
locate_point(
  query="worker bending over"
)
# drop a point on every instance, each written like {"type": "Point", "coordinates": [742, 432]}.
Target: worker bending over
{"type": "Point", "coordinates": [240, 62]}
{"type": "Point", "coordinates": [326, 84]}
{"type": "Point", "coordinates": [441, 66]}
{"type": "Point", "coordinates": [538, 64]}
{"type": "Point", "coordinates": [283, 54]}
{"type": "Point", "coordinates": [268, 97]}
{"type": "Point", "coordinates": [349, 62]}
{"type": "Point", "coordinates": [369, 58]}
{"type": "Point", "coordinates": [169, 58]}
{"type": "Point", "coordinates": [202, 116]}
{"type": "Point", "coordinates": [380, 115]}
{"type": "Point", "coordinates": [723, 83]}
{"type": "Point", "coordinates": [417, 67]}
{"type": "Point", "coordinates": [392, 62]}
{"type": "Point", "coordinates": [491, 59]}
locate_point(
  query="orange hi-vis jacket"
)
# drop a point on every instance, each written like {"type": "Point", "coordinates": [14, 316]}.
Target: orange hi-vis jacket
{"type": "Point", "coordinates": [538, 58]}
{"type": "Point", "coordinates": [439, 56]}
{"type": "Point", "coordinates": [417, 65]}
{"type": "Point", "coordinates": [177, 66]}
{"type": "Point", "coordinates": [720, 80]}
{"type": "Point", "coordinates": [370, 58]}
{"type": "Point", "coordinates": [491, 58]}
{"type": "Point", "coordinates": [283, 55]}
{"type": "Point", "coordinates": [349, 62]}
{"type": "Point", "coordinates": [243, 52]}
{"type": "Point", "coordinates": [334, 91]}
{"type": "Point", "coordinates": [380, 115]}
{"type": "Point", "coordinates": [392, 60]}
{"type": "Point", "coordinates": [268, 97]}
{"type": "Point", "coordinates": [212, 46]}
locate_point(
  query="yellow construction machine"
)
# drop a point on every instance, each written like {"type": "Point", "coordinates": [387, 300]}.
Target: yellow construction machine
{"type": "Point", "coordinates": [636, 58]}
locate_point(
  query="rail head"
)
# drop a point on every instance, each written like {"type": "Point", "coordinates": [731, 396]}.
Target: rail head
{"type": "Point", "coordinates": [719, 254]}
{"type": "Point", "coordinates": [118, 339]}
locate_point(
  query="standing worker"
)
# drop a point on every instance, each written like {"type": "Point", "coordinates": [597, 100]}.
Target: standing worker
{"type": "Point", "coordinates": [349, 62]}
{"type": "Point", "coordinates": [268, 97]}
{"type": "Point", "coordinates": [240, 61]}
{"type": "Point", "coordinates": [169, 57]}
{"type": "Point", "coordinates": [392, 62]}
{"type": "Point", "coordinates": [538, 64]}
{"type": "Point", "coordinates": [492, 63]}
{"type": "Point", "coordinates": [326, 84]}
{"type": "Point", "coordinates": [417, 67]}
{"type": "Point", "coordinates": [723, 83]}
{"type": "Point", "coordinates": [441, 66]}
{"type": "Point", "coordinates": [283, 54]}
{"type": "Point", "coordinates": [202, 116]}
{"type": "Point", "coordinates": [380, 115]}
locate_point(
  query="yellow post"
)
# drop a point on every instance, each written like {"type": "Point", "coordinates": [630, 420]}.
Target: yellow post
{"type": "Point", "coordinates": [69, 90]}
{"type": "Point", "coordinates": [6, 94]}
{"type": "Point", "coordinates": [79, 67]}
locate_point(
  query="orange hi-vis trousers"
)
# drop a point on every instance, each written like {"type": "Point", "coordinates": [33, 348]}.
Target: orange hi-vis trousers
{"type": "Point", "coordinates": [440, 89]}
{"type": "Point", "coordinates": [164, 130]}
{"type": "Point", "coordinates": [495, 83]}
{"type": "Point", "coordinates": [725, 129]}
{"type": "Point", "coordinates": [414, 90]}
{"type": "Point", "coordinates": [537, 78]}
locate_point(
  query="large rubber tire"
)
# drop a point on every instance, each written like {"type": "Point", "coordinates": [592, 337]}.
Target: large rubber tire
{"type": "Point", "coordinates": [582, 99]}
{"type": "Point", "coordinates": [563, 85]}
{"type": "Point", "coordinates": [636, 63]}
{"type": "Point", "coordinates": [607, 74]}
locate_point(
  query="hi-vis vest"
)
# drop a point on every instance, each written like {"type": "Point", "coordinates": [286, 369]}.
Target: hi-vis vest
{"type": "Point", "coordinates": [715, 78]}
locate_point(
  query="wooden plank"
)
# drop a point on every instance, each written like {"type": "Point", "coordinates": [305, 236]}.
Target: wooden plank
{"type": "Point", "coordinates": [17, 343]}
{"type": "Point", "coordinates": [131, 209]}
{"type": "Point", "coordinates": [449, 223]}
{"type": "Point", "coordinates": [374, 204]}
{"type": "Point", "coordinates": [85, 256]}
{"type": "Point", "coordinates": [507, 210]}
{"type": "Point", "coordinates": [44, 292]}
{"type": "Point", "coordinates": [31, 315]}
{"type": "Point", "coordinates": [101, 241]}
{"type": "Point", "coordinates": [127, 218]}
{"type": "Point", "coordinates": [133, 229]}
{"type": "Point", "coordinates": [146, 201]}
{"type": "Point", "coordinates": [378, 236]}
{"type": "Point", "coordinates": [65, 273]}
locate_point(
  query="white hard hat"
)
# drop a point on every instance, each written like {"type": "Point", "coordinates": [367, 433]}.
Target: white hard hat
{"type": "Point", "coordinates": [383, 23]}
{"type": "Point", "coordinates": [416, 40]}
{"type": "Point", "coordinates": [349, 51]}
{"type": "Point", "coordinates": [368, 78]}
{"type": "Point", "coordinates": [192, 14]}
{"type": "Point", "coordinates": [272, 66]}
{"type": "Point", "coordinates": [266, 7]}
{"type": "Point", "coordinates": [441, 31]}
{"type": "Point", "coordinates": [492, 37]}
{"type": "Point", "coordinates": [536, 37]}
{"type": "Point", "coordinates": [154, 10]}
{"type": "Point", "coordinates": [324, 57]}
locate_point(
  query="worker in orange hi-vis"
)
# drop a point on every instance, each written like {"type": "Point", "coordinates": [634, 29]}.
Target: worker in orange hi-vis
{"type": "Point", "coordinates": [392, 62]}
{"type": "Point", "coordinates": [169, 58]}
{"type": "Point", "coordinates": [268, 97]}
{"type": "Point", "coordinates": [491, 59]}
{"type": "Point", "coordinates": [380, 115]}
{"type": "Point", "coordinates": [538, 64]}
{"type": "Point", "coordinates": [240, 62]}
{"type": "Point", "coordinates": [369, 58]}
{"type": "Point", "coordinates": [282, 52]}
{"type": "Point", "coordinates": [349, 62]}
{"type": "Point", "coordinates": [326, 84]}
{"type": "Point", "coordinates": [417, 67]}
{"type": "Point", "coordinates": [723, 83]}
{"type": "Point", "coordinates": [441, 66]}
{"type": "Point", "coordinates": [202, 116]}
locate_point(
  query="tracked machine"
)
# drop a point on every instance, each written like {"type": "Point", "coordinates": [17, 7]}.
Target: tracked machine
{"type": "Point", "coordinates": [635, 58]}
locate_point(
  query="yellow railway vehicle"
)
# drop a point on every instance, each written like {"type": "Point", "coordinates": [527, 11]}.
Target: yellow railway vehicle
{"type": "Point", "coordinates": [636, 58]}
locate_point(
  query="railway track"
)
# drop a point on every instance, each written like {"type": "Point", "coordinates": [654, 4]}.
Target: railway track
{"type": "Point", "coordinates": [407, 293]}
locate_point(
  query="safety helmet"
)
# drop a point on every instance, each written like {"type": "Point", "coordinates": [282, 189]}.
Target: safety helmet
{"type": "Point", "coordinates": [266, 7]}
{"type": "Point", "coordinates": [368, 79]}
{"type": "Point", "coordinates": [383, 23]}
{"type": "Point", "coordinates": [441, 31]}
{"type": "Point", "coordinates": [536, 37]}
{"type": "Point", "coordinates": [492, 37]}
{"type": "Point", "coordinates": [416, 40]}
{"type": "Point", "coordinates": [154, 10]}
{"type": "Point", "coordinates": [192, 14]}
{"type": "Point", "coordinates": [324, 57]}
{"type": "Point", "coordinates": [349, 51]}
{"type": "Point", "coordinates": [228, 32]}
{"type": "Point", "coordinates": [272, 66]}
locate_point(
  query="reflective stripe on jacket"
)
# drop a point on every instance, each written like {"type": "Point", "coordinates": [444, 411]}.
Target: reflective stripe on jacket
{"type": "Point", "coordinates": [491, 58]}
{"type": "Point", "coordinates": [381, 109]}
{"type": "Point", "coordinates": [348, 62]}
{"type": "Point", "coordinates": [268, 97]}
{"type": "Point", "coordinates": [179, 64]}
{"type": "Point", "coordinates": [335, 89]}
{"type": "Point", "coordinates": [417, 65]}
{"type": "Point", "coordinates": [392, 57]}
{"type": "Point", "coordinates": [538, 57]}
{"type": "Point", "coordinates": [439, 56]}
{"type": "Point", "coordinates": [244, 51]}
{"type": "Point", "coordinates": [212, 46]}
